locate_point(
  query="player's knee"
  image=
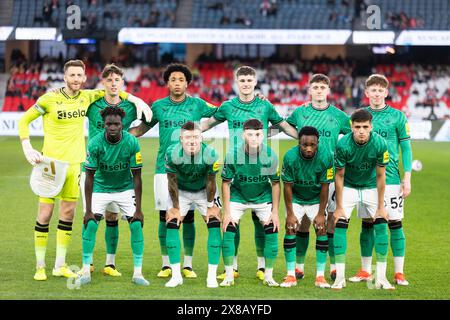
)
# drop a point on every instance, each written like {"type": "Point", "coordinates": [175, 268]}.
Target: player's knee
{"type": "Point", "coordinates": [321, 232]}
{"type": "Point", "coordinates": [397, 224]}
{"type": "Point", "coordinates": [290, 232]}
{"type": "Point", "coordinates": [162, 215]}
{"type": "Point", "coordinates": [112, 224]}
{"type": "Point", "coordinates": [172, 224]}
{"type": "Point", "coordinates": [367, 224]}
{"type": "Point", "coordinates": [111, 216]}
{"type": "Point", "coordinates": [213, 223]}
{"type": "Point", "coordinates": [231, 228]}
{"type": "Point", "coordinates": [342, 223]}
{"type": "Point", "coordinates": [269, 229]}
{"type": "Point", "coordinates": [189, 218]}
{"type": "Point", "coordinates": [380, 221]}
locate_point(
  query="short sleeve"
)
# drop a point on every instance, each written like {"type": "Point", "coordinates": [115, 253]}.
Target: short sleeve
{"type": "Point", "coordinates": [221, 114]}
{"type": "Point", "coordinates": [228, 170]}
{"type": "Point", "coordinates": [345, 124]}
{"type": "Point", "coordinates": [208, 109]}
{"type": "Point", "coordinates": [327, 175]}
{"type": "Point", "coordinates": [274, 116]}
{"type": "Point", "coordinates": [286, 171]}
{"type": "Point", "coordinates": [382, 153]}
{"type": "Point", "coordinates": [292, 119]}
{"type": "Point", "coordinates": [91, 157]}
{"type": "Point", "coordinates": [340, 160]}
{"type": "Point", "coordinates": [136, 157]}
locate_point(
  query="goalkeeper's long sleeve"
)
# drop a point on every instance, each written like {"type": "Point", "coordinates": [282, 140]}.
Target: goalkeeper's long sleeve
{"type": "Point", "coordinates": [24, 122]}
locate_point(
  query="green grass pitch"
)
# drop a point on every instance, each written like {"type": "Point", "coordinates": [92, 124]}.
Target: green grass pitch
{"type": "Point", "coordinates": [426, 226]}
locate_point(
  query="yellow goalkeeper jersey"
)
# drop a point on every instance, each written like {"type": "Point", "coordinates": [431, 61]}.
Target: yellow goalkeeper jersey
{"type": "Point", "coordinates": [63, 121]}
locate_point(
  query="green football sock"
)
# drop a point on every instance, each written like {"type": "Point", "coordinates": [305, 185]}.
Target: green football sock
{"type": "Point", "coordinates": [367, 239]}
{"type": "Point", "coordinates": [89, 233]}
{"type": "Point", "coordinates": [228, 249]}
{"type": "Point", "coordinates": [162, 235]}
{"type": "Point", "coordinates": [331, 247]}
{"type": "Point", "coordinates": [173, 245]}
{"type": "Point", "coordinates": [189, 234]}
{"type": "Point", "coordinates": [259, 235]}
{"type": "Point", "coordinates": [214, 240]}
{"type": "Point", "coordinates": [270, 249]}
{"type": "Point", "coordinates": [381, 239]}
{"type": "Point", "coordinates": [137, 242]}
{"type": "Point", "coordinates": [321, 252]}
{"type": "Point", "coordinates": [289, 251]}
{"type": "Point", "coordinates": [340, 240]}
{"type": "Point", "coordinates": [111, 236]}
{"type": "Point", "coordinates": [237, 240]}
{"type": "Point", "coordinates": [398, 242]}
{"type": "Point", "coordinates": [302, 246]}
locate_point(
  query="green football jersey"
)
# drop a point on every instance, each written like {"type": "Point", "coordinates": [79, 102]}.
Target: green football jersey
{"type": "Point", "coordinates": [96, 121]}
{"type": "Point", "coordinates": [360, 161]}
{"type": "Point", "coordinates": [191, 171]}
{"type": "Point", "coordinates": [250, 174]}
{"type": "Point", "coordinates": [330, 122]}
{"type": "Point", "coordinates": [307, 175]}
{"type": "Point", "coordinates": [393, 126]}
{"type": "Point", "coordinates": [171, 116]}
{"type": "Point", "coordinates": [113, 162]}
{"type": "Point", "coordinates": [236, 112]}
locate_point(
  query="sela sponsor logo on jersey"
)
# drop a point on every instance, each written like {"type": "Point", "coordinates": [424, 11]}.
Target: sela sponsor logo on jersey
{"type": "Point", "coordinates": [63, 114]}
{"type": "Point", "coordinates": [382, 133]}
{"type": "Point", "coordinates": [363, 166]}
{"type": "Point", "coordinates": [305, 182]}
{"type": "Point", "coordinates": [237, 124]}
{"type": "Point", "coordinates": [173, 123]}
{"type": "Point", "coordinates": [324, 133]}
{"type": "Point", "coordinates": [252, 179]}
{"type": "Point", "coordinates": [114, 167]}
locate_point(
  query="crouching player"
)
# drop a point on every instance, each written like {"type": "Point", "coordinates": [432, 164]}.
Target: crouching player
{"type": "Point", "coordinates": [191, 168]}
{"type": "Point", "coordinates": [113, 175]}
{"type": "Point", "coordinates": [246, 173]}
{"type": "Point", "coordinates": [306, 174]}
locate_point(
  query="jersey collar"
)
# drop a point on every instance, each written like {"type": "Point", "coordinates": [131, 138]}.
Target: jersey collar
{"type": "Point", "coordinates": [328, 106]}
{"type": "Point", "coordinates": [112, 105]}
{"type": "Point", "coordinates": [177, 102]}
{"type": "Point", "coordinates": [246, 102]}
{"type": "Point", "coordinates": [67, 96]}
{"type": "Point", "coordinates": [379, 110]}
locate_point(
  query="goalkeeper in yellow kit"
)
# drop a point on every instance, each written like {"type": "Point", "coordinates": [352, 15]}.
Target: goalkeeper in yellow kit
{"type": "Point", "coordinates": [63, 113]}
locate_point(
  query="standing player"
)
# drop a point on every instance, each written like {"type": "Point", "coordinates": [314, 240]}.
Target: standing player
{"type": "Point", "coordinates": [172, 113]}
{"type": "Point", "coordinates": [236, 111]}
{"type": "Point", "coordinates": [246, 173]}
{"type": "Point", "coordinates": [306, 174]}
{"type": "Point", "coordinates": [330, 122]}
{"type": "Point", "coordinates": [63, 115]}
{"type": "Point", "coordinates": [112, 81]}
{"type": "Point", "coordinates": [113, 175]}
{"type": "Point", "coordinates": [191, 168]}
{"type": "Point", "coordinates": [392, 125]}
{"type": "Point", "coordinates": [361, 157]}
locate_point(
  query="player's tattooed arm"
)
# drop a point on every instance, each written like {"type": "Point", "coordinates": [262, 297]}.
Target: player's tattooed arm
{"type": "Point", "coordinates": [210, 123]}
{"type": "Point", "coordinates": [88, 189]}
{"type": "Point", "coordinates": [137, 181]}
{"type": "Point", "coordinates": [173, 189]}
{"type": "Point", "coordinates": [212, 211]}
{"type": "Point", "coordinates": [174, 212]}
{"type": "Point", "coordinates": [381, 186]}
{"type": "Point", "coordinates": [140, 130]}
